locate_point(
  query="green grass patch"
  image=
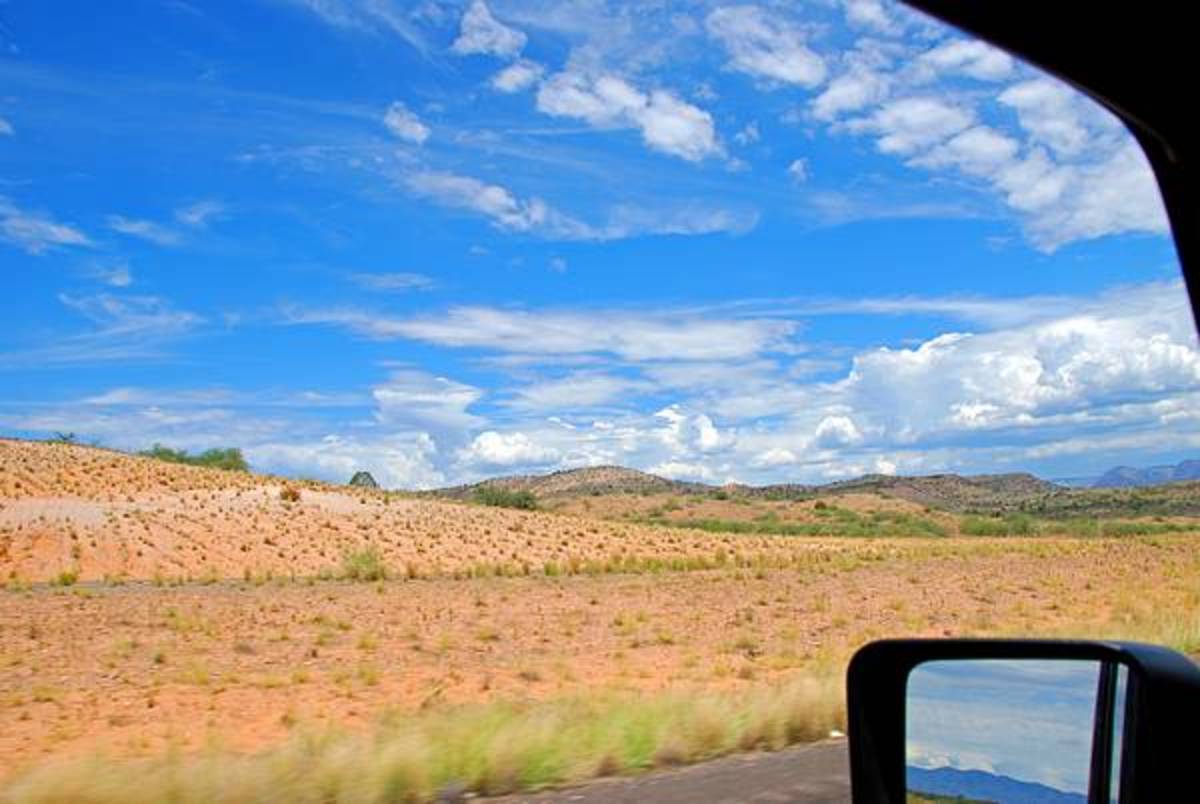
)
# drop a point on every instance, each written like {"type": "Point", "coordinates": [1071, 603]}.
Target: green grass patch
{"type": "Point", "coordinates": [832, 521]}
{"type": "Point", "coordinates": [364, 565]}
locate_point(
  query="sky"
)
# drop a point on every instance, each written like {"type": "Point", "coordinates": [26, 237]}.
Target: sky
{"type": "Point", "coordinates": [1030, 720]}
{"type": "Point", "coordinates": [441, 241]}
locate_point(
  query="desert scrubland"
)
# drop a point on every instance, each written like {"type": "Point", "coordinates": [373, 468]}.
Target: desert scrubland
{"type": "Point", "coordinates": [171, 632]}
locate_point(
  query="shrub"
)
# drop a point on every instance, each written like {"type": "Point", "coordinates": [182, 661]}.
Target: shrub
{"type": "Point", "coordinates": [229, 458]}
{"type": "Point", "coordinates": [289, 494]}
{"type": "Point", "coordinates": [505, 498]}
{"type": "Point", "coordinates": [364, 565]}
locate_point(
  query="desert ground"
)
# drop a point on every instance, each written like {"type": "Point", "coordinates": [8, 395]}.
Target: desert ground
{"type": "Point", "coordinates": [193, 619]}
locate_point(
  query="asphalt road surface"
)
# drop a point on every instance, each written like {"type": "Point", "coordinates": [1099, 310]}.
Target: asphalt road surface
{"type": "Point", "coordinates": [818, 773]}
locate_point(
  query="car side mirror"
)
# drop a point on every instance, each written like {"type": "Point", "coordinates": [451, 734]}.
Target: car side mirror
{"type": "Point", "coordinates": [1063, 722]}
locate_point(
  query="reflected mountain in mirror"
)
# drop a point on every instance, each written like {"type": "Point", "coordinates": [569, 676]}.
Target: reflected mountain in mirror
{"type": "Point", "coordinates": [1001, 731]}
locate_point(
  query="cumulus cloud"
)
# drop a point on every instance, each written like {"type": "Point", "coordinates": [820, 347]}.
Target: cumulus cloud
{"type": "Point", "coordinates": [395, 461]}
{"type": "Point", "coordinates": [969, 57]}
{"type": "Point", "coordinates": [35, 233]}
{"type": "Point", "coordinates": [480, 32]}
{"type": "Point", "coordinates": [765, 47]}
{"type": "Point", "coordinates": [906, 125]}
{"type": "Point", "coordinates": [1066, 167]}
{"type": "Point", "coordinates": [405, 124]}
{"type": "Point", "coordinates": [491, 448]}
{"type": "Point", "coordinates": [517, 76]}
{"type": "Point", "coordinates": [869, 14]}
{"type": "Point", "coordinates": [667, 123]}
{"type": "Point", "coordinates": [682, 470]}
{"type": "Point", "coordinates": [1138, 344]}
{"type": "Point", "coordinates": [418, 399]}
{"type": "Point", "coordinates": [836, 431]}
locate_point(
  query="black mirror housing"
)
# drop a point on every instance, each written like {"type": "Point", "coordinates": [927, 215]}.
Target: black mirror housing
{"type": "Point", "coordinates": [1162, 712]}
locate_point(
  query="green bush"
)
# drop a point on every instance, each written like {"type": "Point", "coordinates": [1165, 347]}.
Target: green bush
{"type": "Point", "coordinates": [364, 565]}
{"type": "Point", "coordinates": [230, 458]}
{"type": "Point", "coordinates": [504, 498]}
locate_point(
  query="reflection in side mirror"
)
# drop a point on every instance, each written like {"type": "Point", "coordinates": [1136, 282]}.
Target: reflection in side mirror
{"type": "Point", "coordinates": [1014, 730]}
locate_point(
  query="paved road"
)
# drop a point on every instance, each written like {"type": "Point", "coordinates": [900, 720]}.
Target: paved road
{"type": "Point", "coordinates": [813, 774]}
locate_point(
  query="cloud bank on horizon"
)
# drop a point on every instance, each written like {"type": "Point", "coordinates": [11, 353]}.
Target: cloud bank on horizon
{"type": "Point", "coordinates": [716, 241]}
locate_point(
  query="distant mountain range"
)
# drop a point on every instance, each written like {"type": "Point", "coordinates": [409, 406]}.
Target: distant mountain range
{"type": "Point", "coordinates": [947, 490]}
{"type": "Point", "coordinates": [1125, 476]}
{"type": "Point", "coordinates": [1120, 493]}
{"type": "Point", "coordinates": [982, 786]}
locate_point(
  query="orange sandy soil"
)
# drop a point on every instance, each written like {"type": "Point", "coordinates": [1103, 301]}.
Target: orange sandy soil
{"type": "Point", "coordinates": [134, 667]}
{"type": "Point", "coordinates": [107, 515]}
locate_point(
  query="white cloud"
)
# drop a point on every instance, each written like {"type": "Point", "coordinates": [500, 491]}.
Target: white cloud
{"type": "Point", "coordinates": [633, 336]}
{"type": "Point", "coordinates": [909, 124]}
{"type": "Point", "coordinates": [198, 215]}
{"type": "Point", "coordinates": [370, 16]}
{"type": "Point", "coordinates": [480, 32]}
{"type": "Point", "coordinates": [1053, 114]}
{"type": "Point", "coordinates": [978, 151]}
{"type": "Point", "coordinates": [505, 210]}
{"type": "Point", "coordinates": [969, 57]}
{"type": "Point", "coordinates": [35, 233]}
{"type": "Point", "coordinates": [765, 47]}
{"type": "Point", "coordinates": [506, 449]}
{"type": "Point", "coordinates": [688, 433]}
{"type": "Point", "coordinates": [143, 229]}
{"type": "Point", "coordinates": [405, 124]}
{"type": "Point", "coordinates": [395, 461]}
{"type": "Point", "coordinates": [510, 212]}
{"type": "Point", "coordinates": [869, 14]}
{"type": "Point", "coordinates": [667, 124]}
{"type": "Point", "coordinates": [575, 391]}
{"type": "Point", "coordinates": [1133, 344]}
{"type": "Point", "coordinates": [748, 135]}
{"type": "Point", "coordinates": [392, 281]}
{"type": "Point", "coordinates": [856, 89]}
{"type": "Point", "coordinates": [1066, 167]}
{"type": "Point", "coordinates": [6, 129]}
{"type": "Point", "coordinates": [517, 76]}
{"type": "Point", "coordinates": [124, 328]}
{"type": "Point", "coordinates": [773, 457]}
{"type": "Point", "coordinates": [115, 275]}
{"type": "Point", "coordinates": [798, 170]}
{"type": "Point", "coordinates": [438, 404]}
{"type": "Point", "coordinates": [682, 470]}
{"type": "Point", "coordinates": [836, 431]}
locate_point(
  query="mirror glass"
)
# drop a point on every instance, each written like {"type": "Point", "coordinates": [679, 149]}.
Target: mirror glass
{"type": "Point", "coordinates": [1001, 730]}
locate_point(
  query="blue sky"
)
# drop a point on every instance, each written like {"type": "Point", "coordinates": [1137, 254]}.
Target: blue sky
{"type": "Point", "coordinates": [446, 240]}
{"type": "Point", "coordinates": [1030, 720]}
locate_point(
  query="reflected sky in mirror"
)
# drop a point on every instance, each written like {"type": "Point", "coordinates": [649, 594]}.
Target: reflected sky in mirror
{"type": "Point", "coordinates": [1028, 720]}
